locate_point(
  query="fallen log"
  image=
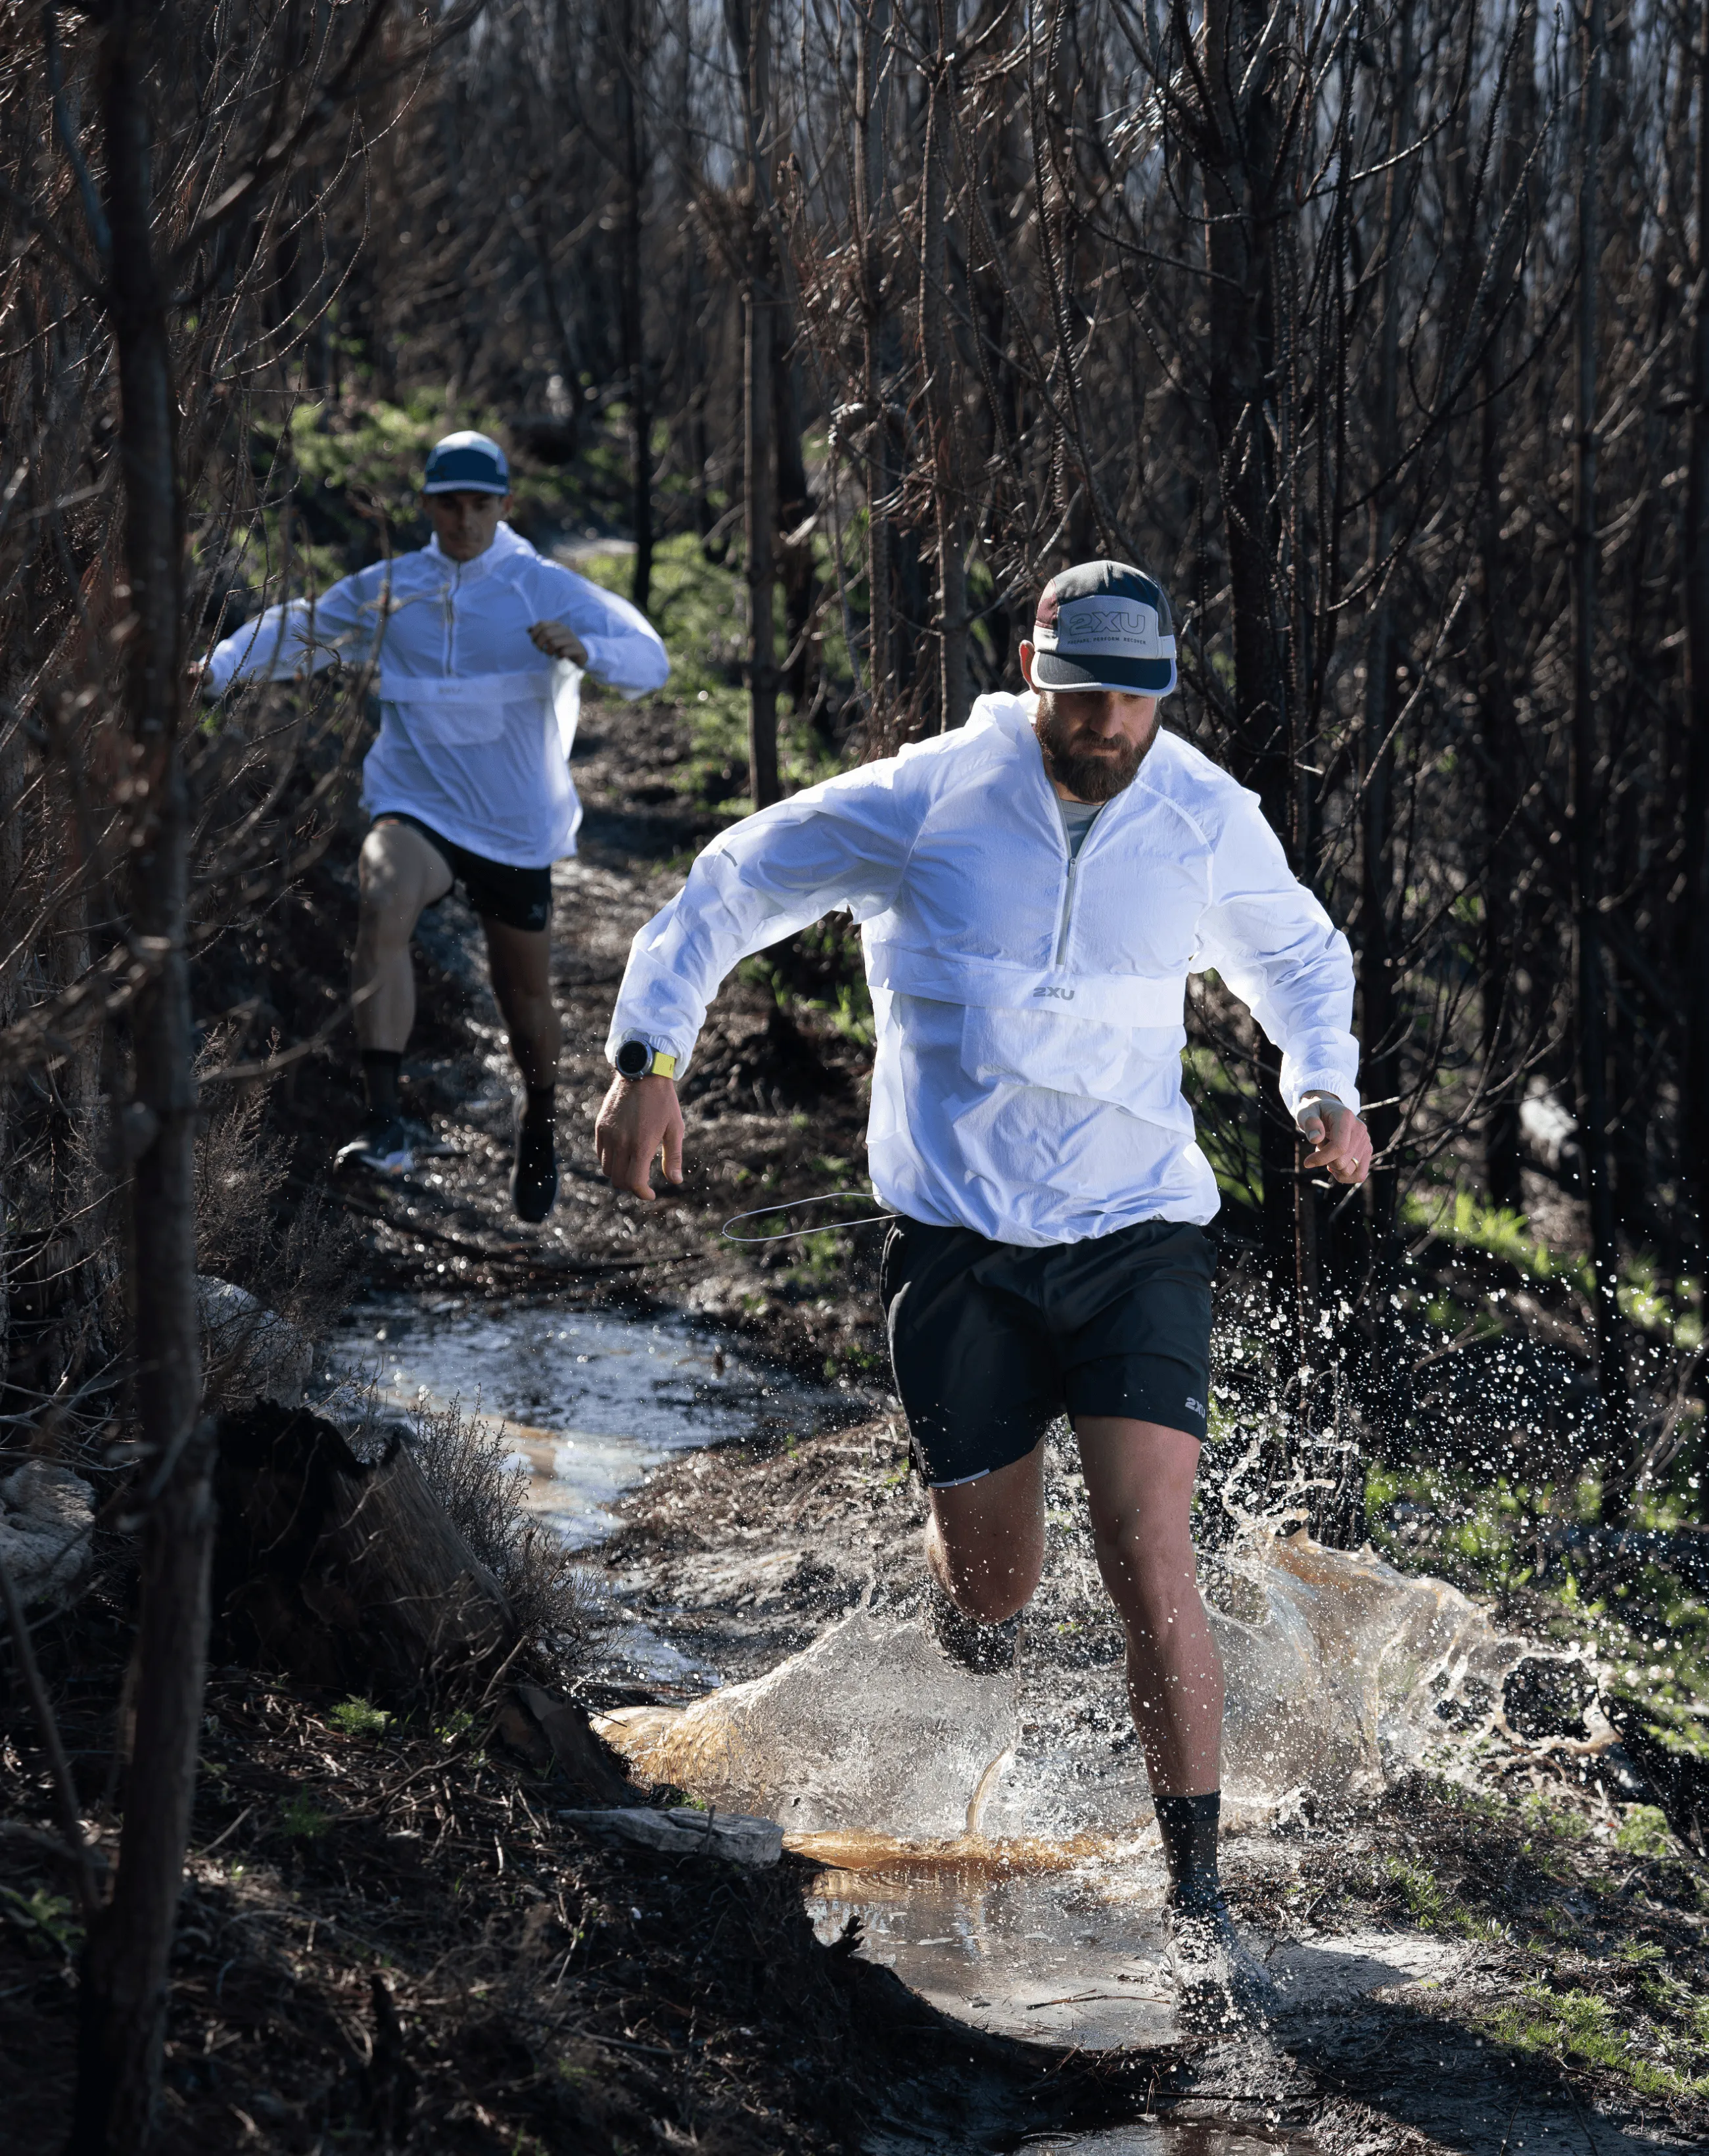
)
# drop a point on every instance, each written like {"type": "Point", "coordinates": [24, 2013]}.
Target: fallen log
{"type": "Point", "coordinates": [738, 1837]}
{"type": "Point", "coordinates": [345, 1572]}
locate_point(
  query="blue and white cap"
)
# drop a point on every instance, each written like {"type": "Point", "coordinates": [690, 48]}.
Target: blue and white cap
{"type": "Point", "coordinates": [466, 463]}
{"type": "Point", "coordinates": [1102, 626]}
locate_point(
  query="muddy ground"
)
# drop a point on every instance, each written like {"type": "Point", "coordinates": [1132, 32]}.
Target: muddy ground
{"type": "Point", "coordinates": [390, 1941]}
{"type": "Point", "coordinates": [1565, 1933]}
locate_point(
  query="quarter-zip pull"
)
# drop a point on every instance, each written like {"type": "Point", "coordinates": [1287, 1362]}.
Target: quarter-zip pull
{"type": "Point", "coordinates": [451, 589]}
{"type": "Point", "coordinates": [1067, 911]}
{"type": "Point", "coordinates": [1073, 855]}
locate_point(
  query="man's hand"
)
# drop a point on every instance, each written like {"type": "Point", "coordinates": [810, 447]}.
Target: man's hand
{"type": "Point", "coordinates": [639, 1118]}
{"type": "Point", "coordinates": [557, 642]}
{"type": "Point", "coordinates": [1339, 1141]}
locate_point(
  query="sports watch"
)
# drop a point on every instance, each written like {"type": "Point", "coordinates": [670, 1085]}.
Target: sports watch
{"type": "Point", "coordinates": [636, 1059]}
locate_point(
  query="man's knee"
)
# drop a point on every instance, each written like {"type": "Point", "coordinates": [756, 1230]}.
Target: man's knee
{"type": "Point", "coordinates": [991, 1596]}
{"type": "Point", "coordinates": [987, 1584]}
{"type": "Point", "coordinates": [397, 871]}
{"type": "Point", "coordinates": [1150, 1572]}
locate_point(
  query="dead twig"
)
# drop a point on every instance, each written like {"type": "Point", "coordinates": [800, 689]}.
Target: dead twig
{"type": "Point", "coordinates": [59, 1765]}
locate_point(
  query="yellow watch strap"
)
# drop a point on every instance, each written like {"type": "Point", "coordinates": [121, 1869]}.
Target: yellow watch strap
{"type": "Point", "coordinates": [662, 1065]}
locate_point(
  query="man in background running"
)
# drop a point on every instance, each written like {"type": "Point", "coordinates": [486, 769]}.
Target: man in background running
{"type": "Point", "coordinates": [480, 643]}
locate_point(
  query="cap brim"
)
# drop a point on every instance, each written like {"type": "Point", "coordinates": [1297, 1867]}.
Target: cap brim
{"type": "Point", "coordinates": [466, 486]}
{"type": "Point", "coordinates": [1128, 677]}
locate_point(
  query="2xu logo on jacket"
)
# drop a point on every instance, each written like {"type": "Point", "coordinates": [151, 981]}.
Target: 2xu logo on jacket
{"type": "Point", "coordinates": [1061, 995]}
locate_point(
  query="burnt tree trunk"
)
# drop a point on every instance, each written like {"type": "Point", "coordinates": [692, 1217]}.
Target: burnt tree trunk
{"type": "Point", "coordinates": [750, 29]}
{"type": "Point", "coordinates": [937, 350]}
{"type": "Point", "coordinates": [880, 458]}
{"type": "Point", "coordinates": [1241, 149]}
{"type": "Point", "coordinates": [795, 508]}
{"type": "Point", "coordinates": [629, 43]}
{"type": "Point", "coordinates": [1586, 807]}
{"type": "Point", "coordinates": [125, 1970]}
{"type": "Point", "coordinates": [1696, 597]}
{"type": "Point", "coordinates": [1504, 1011]}
{"type": "Point", "coordinates": [1378, 956]}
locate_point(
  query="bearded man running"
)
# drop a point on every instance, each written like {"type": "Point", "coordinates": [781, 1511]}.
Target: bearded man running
{"type": "Point", "coordinates": [1034, 890]}
{"type": "Point", "coordinates": [480, 644]}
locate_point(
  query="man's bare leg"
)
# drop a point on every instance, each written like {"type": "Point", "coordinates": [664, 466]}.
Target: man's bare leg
{"type": "Point", "coordinates": [1139, 1484]}
{"type": "Point", "coordinates": [400, 874]}
{"type": "Point", "coordinates": [520, 963]}
{"type": "Point", "coordinates": [985, 1540]}
{"type": "Point", "coordinates": [985, 1546]}
{"type": "Point", "coordinates": [520, 960]}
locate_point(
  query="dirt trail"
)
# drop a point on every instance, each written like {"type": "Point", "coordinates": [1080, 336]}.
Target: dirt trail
{"type": "Point", "coordinates": [1538, 1937]}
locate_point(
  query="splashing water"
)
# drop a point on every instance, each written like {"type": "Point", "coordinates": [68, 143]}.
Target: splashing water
{"type": "Point", "coordinates": [1342, 1674]}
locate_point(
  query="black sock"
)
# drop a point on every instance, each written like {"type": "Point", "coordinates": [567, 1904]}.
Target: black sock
{"type": "Point", "coordinates": [380, 1069]}
{"type": "Point", "coordinates": [541, 1110]}
{"type": "Point", "coordinates": [1189, 1830]}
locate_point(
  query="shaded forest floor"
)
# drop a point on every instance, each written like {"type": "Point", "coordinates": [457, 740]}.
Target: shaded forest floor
{"type": "Point", "coordinates": [389, 1942]}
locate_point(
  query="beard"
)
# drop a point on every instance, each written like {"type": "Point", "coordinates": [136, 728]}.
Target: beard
{"type": "Point", "coordinates": [1091, 766]}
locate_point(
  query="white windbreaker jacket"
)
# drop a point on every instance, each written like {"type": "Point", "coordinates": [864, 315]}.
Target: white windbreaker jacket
{"type": "Point", "coordinates": [475, 724]}
{"type": "Point", "coordinates": [1030, 1008]}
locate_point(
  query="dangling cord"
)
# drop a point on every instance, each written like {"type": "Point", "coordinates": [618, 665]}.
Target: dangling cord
{"type": "Point", "coordinates": [794, 1205]}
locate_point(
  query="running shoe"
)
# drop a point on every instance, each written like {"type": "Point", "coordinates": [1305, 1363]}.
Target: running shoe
{"type": "Point", "coordinates": [382, 1146]}
{"type": "Point", "coordinates": [534, 1178]}
{"type": "Point", "coordinates": [1220, 1985]}
{"type": "Point", "coordinates": [986, 1650]}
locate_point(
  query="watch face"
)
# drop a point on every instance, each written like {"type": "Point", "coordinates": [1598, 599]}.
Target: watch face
{"type": "Point", "coordinates": [632, 1058]}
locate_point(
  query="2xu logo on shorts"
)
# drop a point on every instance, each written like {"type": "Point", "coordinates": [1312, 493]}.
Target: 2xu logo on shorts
{"type": "Point", "coordinates": [1062, 995]}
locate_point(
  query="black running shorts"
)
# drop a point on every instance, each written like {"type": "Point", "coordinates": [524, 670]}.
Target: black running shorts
{"type": "Point", "coordinates": [991, 1343]}
{"type": "Point", "coordinates": [515, 898]}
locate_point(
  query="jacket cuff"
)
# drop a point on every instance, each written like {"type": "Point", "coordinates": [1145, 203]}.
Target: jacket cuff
{"type": "Point", "coordinates": [661, 1044]}
{"type": "Point", "coordinates": [606, 655]}
{"type": "Point", "coordinates": [1338, 1082]}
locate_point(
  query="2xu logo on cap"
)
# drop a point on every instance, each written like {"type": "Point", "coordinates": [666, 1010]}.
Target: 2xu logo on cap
{"type": "Point", "coordinates": [1081, 622]}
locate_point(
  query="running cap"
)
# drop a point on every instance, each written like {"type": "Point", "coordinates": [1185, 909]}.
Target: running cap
{"type": "Point", "coordinates": [1102, 626]}
{"type": "Point", "coordinates": [466, 463]}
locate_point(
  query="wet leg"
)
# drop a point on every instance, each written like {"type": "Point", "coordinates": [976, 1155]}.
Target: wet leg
{"type": "Point", "coordinates": [520, 960]}
{"type": "Point", "coordinates": [1139, 1480]}
{"type": "Point", "coordinates": [521, 964]}
{"type": "Point", "coordinates": [399, 873]}
{"type": "Point", "coordinates": [985, 1540]}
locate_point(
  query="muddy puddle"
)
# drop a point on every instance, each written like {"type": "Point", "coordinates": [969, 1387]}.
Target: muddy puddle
{"type": "Point", "coordinates": [589, 1404]}
{"type": "Point", "coordinates": [990, 1840]}
{"type": "Point", "coordinates": [1152, 2137]}
{"type": "Point", "coordinates": [1070, 1953]}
